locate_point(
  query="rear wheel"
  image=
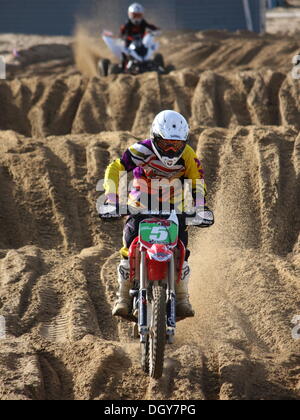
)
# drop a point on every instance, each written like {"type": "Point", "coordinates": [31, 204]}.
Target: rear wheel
{"type": "Point", "coordinates": [104, 65]}
{"type": "Point", "coordinates": [157, 336]}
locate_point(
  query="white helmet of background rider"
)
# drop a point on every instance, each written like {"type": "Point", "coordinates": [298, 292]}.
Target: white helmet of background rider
{"type": "Point", "coordinates": [169, 134]}
{"type": "Point", "coordinates": [136, 13]}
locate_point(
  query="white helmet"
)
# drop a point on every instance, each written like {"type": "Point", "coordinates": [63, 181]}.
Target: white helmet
{"type": "Point", "coordinates": [136, 13]}
{"type": "Point", "coordinates": [169, 134]}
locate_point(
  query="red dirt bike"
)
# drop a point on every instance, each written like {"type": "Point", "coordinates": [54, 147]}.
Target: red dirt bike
{"type": "Point", "coordinates": [156, 257]}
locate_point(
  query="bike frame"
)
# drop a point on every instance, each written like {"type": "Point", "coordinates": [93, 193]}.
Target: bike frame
{"type": "Point", "coordinates": [145, 271]}
{"type": "Point", "coordinates": [149, 43]}
{"type": "Point", "coordinates": [117, 47]}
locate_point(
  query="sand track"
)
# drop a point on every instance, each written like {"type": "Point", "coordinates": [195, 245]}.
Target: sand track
{"type": "Point", "coordinates": [58, 131]}
{"type": "Point", "coordinates": [58, 280]}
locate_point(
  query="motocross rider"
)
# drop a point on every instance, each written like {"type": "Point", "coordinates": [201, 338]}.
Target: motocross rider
{"type": "Point", "coordinates": [136, 25]}
{"type": "Point", "coordinates": [166, 155]}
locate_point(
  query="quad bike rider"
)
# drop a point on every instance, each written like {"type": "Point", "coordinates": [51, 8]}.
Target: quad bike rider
{"type": "Point", "coordinates": [136, 26]}
{"type": "Point", "coordinates": [165, 156]}
{"type": "Point", "coordinates": [136, 49]}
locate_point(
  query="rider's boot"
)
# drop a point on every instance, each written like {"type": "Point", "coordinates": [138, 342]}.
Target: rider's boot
{"type": "Point", "coordinates": [183, 307]}
{"type": "Point", "coordinates": [123, 305]}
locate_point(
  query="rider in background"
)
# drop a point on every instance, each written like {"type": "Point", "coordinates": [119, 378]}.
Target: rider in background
{"type": "Point", "coordinates": [166, 155]}
{"type": "Point", "coordinates": [136, 26]}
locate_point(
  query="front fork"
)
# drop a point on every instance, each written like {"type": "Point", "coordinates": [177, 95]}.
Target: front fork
{"type": "Point", "coordinates": [171, 303]}
{"type": "Point", "coordinates": [143, 313]}
{"type": "Point", "coordinates": [143, 301]}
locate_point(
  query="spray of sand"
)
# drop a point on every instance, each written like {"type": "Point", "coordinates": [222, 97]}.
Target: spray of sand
{"type": "Point", "coordinates": [88, 44]}
{"type": "Point", "coordinates": [87, 52]}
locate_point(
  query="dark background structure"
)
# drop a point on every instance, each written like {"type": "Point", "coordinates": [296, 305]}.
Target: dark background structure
{"type": "Point", "coordinates": [58, 17]}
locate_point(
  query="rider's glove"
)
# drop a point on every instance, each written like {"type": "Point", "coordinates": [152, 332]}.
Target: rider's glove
{"type": "Point", "coordinates": [109, 210]}
{"type": "Point", "coordinates": [204, 218]}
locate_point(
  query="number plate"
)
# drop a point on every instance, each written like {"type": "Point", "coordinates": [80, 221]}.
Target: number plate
{"type": "Point", "coordinates": [155, 232]}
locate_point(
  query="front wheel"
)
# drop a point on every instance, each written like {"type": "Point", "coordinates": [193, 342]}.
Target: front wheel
{"type": "Point", "coordinates": [157, 336]}
{"type": "Point", "coordinates": [145, 356]}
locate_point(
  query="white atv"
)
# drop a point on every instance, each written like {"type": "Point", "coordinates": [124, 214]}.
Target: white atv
{"type": "Point", "coordinates": [139, 57]}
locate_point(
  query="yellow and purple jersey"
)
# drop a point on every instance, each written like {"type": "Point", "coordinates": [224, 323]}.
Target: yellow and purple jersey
{"type": "Point", "coordinates": [147, 168]}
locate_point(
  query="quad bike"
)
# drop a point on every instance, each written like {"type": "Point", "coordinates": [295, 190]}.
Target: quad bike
{"type": "Point", "coordinates": [138, 58]}
{"type": "Point", "coordinates": [156, 259]}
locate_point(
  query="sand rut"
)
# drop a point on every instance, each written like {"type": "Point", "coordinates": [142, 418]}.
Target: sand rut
{"type": "Point", "coordinates": [71, 105]}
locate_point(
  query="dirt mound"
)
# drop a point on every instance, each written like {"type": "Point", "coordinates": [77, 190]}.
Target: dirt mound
{"type": "Point", "coordinates": [58, 279]}
{"type": "Point", "coordinates": [218, 51]}
{"type": "Point", "coordinates": [61, 105]}
{"type": "Point", "coordinates": [222, 50]}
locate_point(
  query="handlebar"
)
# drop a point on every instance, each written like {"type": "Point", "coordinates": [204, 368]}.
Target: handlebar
{"type": "Point", "coordinates": [156, 32]}
{"type": "Point", "coordinates": [134, 212]}
{"type": "Point", "coordinates": [116, 216]}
